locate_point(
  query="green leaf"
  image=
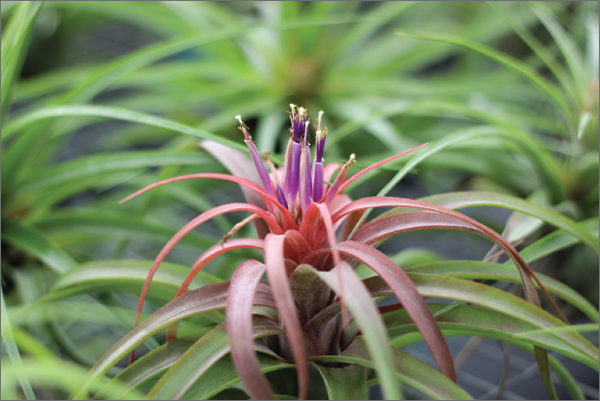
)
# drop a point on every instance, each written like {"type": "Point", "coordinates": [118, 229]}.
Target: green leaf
{"type": "Point", "coordinates": [408, 369]}
{"type": "Point", "coordinates": [567, 47]}
{"type": "Point", "coordinates": [473, 270]}
{"type": "Point", "coordinates": [566, 378]}
{"type": "Point", "coordinates": [15, 39]}
{"type": "Point", "coordinates": [200, 357]}
{"type": "Point", "coordinates": [204, 299]}
{"type": "Point", "coordinates": [545, 164]}
{"type": "Point", "coordinates": [556, 241]}
{"type": "Point", "coordinates": [480, 322]}
{"type": "Point", "coordinates": [13, 352]}
{"type": "Point", "coordinates": [116, 114]}
{"type": "Point", "coordinates": [222, 375]}
{"type": "Point", "coordinates": [457, 200]}
{"type": "Point", "coordinates": [33, 241]}
{"type": "Point", "coordinates": [345, 383]}
{"type": "Point", "coordinates": [115, 225]}
{"type": "Point", "coordinates": [90, 166]}
{"type": "Point", "coordinates": [127, 276]}
{"type": "Point", "coordinates": [523, 69]}
{"type": "Point", "coordinates": [368, 319]}
{"type": "Point", "coordinates": [61, 374]}
{"type": "Point", "coordinates": [494, 299]}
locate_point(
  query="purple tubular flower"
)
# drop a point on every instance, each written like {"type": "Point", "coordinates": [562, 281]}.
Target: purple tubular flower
{"type": "Point", "coordinates": [294, 177]}
{"type": "Point", "coordinates": [306, 179]}
{"type": "Point", "coordinates": [320, 136]}
{"type": "Point", "coordinates": [286, 166]}
{"type": "Point", "coordinates": [318, 181]}
{"type": "Point", "coordinates": [260, 167]}
{"type": "Point", "coordinates": [318, 168]}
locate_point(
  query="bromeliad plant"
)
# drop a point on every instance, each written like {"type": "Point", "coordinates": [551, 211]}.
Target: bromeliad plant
{"type": "Point", "coordinates": [315, 315]}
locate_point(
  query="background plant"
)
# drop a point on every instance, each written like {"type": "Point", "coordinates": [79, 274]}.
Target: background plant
{"type": "Point", "coordinates": [509, 106]}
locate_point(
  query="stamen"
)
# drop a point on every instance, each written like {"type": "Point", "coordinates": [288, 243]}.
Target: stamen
{"type": "Point", "coordinates": [237, 227]}
{"type": "Point", "coordinates": [243, 128]}
{"type": "Point", "coordinates": [305, 137]}
{"type": "Point", "coordinates": [319, 121]}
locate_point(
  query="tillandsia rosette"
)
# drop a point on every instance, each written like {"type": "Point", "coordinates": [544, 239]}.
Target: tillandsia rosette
{"type": "Point", "coordinates": [322, 315]}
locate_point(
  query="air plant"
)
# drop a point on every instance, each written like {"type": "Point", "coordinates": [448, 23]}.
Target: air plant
{"type": "Point", "coordinates": [315, 314]}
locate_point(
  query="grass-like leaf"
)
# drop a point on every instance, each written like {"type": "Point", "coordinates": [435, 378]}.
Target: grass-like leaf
{"type": "Point", "coordinates": [408, 369]}
{"type": "Point", "coordinates": [459, 200]}
{"type": "Point", "coordinates": [30, 239]}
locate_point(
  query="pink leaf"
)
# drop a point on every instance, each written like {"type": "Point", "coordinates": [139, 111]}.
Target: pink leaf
{"type": "Point", "coordinates": [373, 166]}
{"type": "Point", "coordinates": [384, 228]}
{"type": "Point", "coordinates": [208, 255]}
{"type": "Point", "coordinates": [280, 286]}
{"type": "Point", "coordinates": [287, 219]}
{"type": "Point", "coordinates": [238, 319]}
{"type": "Point", "coordinates": [218, 210]}
{"type": "Point", "coordinates": [527, 275]}
{"type": "Point", "coordinates": [408, 295]}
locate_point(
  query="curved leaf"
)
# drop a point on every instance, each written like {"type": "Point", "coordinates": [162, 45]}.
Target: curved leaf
{"type": "Point", "coordinates": [277, 274]}
{"type": "Point", "coordinates": [92, 165]}
{"type": "Point", "coordinates": [124, 275]}
{"type": "Point", "coordinates": [13, 351]}
{"type": "Point", "coordinates": [33, 241]}
{"type": "Point", "coordinates": [369, 321]}
{"type": "Point", "coordinates": [473, 270]}
{"type": "Point", "coordinates": [408, 369]}
{"type": "Point", "coordinates": [15, 39]}
{"type": "Point", "coordinates": [115, 114]}
{"type": "Point", "coordinates": [481, 322]}
{"type": "Point", "coordinates": [117, 225]}
{"type": "Point", "coordinates": [497, 300]}
{"type": "Point", "coordinates": [240, 327]}
{"type": "Point", "coordinates": [223, 375]}
{"type": "Point", "coordinates": [203, 299]}
{"type": "Point", "coordinates": [557, 240]}
{"type": "Point", "coordinates": [457, 200]}
{"type": "Point", "coordinates": [410, 298]}
{"type": "Point", "coordinates": [554, 364]}
{"type": "Point", "coordinates": [520, 67]}
{"type": "Point", "coordinates": [344, 383]}
{"type": "Point", "coordinates": [151, 364]}
{"type": "Point", "coordinates": [201, 356]}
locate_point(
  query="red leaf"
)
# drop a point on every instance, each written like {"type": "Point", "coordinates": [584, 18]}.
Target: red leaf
{"type": "Point", "coordinates": [295, 246]}
{"type": "Point", "coordinates": [218, 210]}
{"type": "Point", "coordinates": [238, 320]}
{"type": "Point", "coordinates": [373, 166]}
{"type": "Point", "coordinates": [309, 227]}
{"type": "Point", "coordinates": [208, 255]}
{"type": "Point", "coordinates": [288, 221]}
{"type": "Point", "coordinates": [336, 258]}
{"type": "Point", "coordinates": [410, 298]}
{"type": "Point", "coordinates": [524, 270]}
{"type": "Point", "coordinates": [280, 286]}
{"type": "Point", "coordinates": [383, 228]}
